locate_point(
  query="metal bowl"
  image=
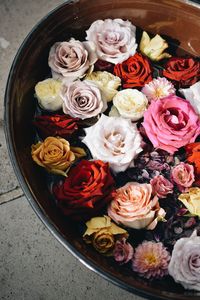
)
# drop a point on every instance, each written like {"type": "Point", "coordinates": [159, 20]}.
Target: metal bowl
{"type": "Point", "coordinates": [178, 19]}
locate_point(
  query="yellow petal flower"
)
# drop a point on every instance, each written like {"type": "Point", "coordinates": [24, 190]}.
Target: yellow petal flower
{"type": "Point", "coordinates": [153, 48]}
{"type": "Point", "coordinates": [191, 200]}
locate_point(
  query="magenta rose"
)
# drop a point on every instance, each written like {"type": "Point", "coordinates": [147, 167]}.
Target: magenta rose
{"type": "Point", "coordinates": [161, 186]}
{"type": "Point", "coordinates": [183, 176]}
{"type": "Point", "coordinates": [171, 123]}
{"type": "Point", "coordinates": [123, 251]}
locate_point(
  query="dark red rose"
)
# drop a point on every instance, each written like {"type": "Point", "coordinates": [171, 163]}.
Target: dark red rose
{"type": "Point", "coordinates": [102, 65]}
{"type": "Point", "coordinates": [136, 71]}
{"type": "Point", "coordinates": [183, 72]}
{"type": "Point", "coordinates": [56, 125]}
{"type": "Point", "coordinates": [193, 157]}
{"type": "Point", "coordinates": [88, 188]}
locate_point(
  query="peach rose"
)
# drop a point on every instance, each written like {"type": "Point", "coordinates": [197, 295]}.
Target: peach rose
{"type": "Point", "coordinates": [55, 155]}
{"type": "Point", "coordinates": [134, 206]}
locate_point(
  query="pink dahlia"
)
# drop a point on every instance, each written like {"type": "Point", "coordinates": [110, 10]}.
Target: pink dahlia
{"type": "Point", "coordinates": [158, 88]}
{"type": "Point", "coordinates": [151, 260]}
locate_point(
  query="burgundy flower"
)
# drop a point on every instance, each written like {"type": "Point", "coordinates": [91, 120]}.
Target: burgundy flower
{"type": "Point", "coordinates": [161, 186]}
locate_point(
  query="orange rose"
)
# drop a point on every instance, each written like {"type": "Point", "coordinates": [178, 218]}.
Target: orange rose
{"type": "Point", "coordinates": [193, 157]}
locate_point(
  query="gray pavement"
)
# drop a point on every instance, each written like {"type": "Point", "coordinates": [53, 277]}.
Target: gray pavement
{"type": "Point", "coordinates": [33, 265]}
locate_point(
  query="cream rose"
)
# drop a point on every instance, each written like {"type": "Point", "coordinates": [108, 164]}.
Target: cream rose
{"type": "Point", "coordinates": [82, 99]}
{"type": "Point", "coordinates": [48, 94]}
{"type": "Point", "coordinates": [191, 200]}
{"type": "Point", "coordinates": [192, 94]}
{"type": "Point", "coordinates": [114, 140]}
{"type": "Point", "coordinates": [115, 40]}
{"type": "Point", "coordinates": [71, 60]}
{"type": "Point", "coordinates": [135, 207]}
{"type": "Point", "coordinates": [130, 104]}
{"type": "Point", "coordinates": [107, 83]}
{"type": "Point", "coordinates": [184, 266]}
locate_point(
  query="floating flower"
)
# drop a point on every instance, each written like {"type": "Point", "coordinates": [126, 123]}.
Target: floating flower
{"type": "Point", "coordinates": [158, 88]}
{"type": "Point", "coordinates": [134, 207]}
{"type": "Point", "coordinates": [184, 266]}
{"type": "Point", "coordinates": [182, 71]}
{"type": "Point", "coordinates": [183, 175]}
{"type": "Point", "coordinates": [71, 60]}
{"type": "Point", "coordinates": [192, 94]}
{"type": "Point", "coordinates": [161, 186]}
{"type": "Point", "coordinates": [82, 99]}
{"type": "Point", "coordinates": [106, 82]}
{"type": "Point", "coordinates": [153, 48]}
{"type": "Point", "coordinates": [87, 189]}
{"type": "Point", "coordinates": [55, 155]}
{"type": "Point", "coordinates": [193, 157]}
{"type": "Point", "coordinates": [151, 260]}
{"type": "Point", "coordinates": [136, 71]}
{"type": "Point", "coordinates": [123, 251]}
{"type": "Point", "coordinates": [191, 200]}
{"type": "Point", "coordinates": [171, 123]}
{"type": "Point", "coordinates": [114, 140]}
{"type": "Point", "coordinates": [56, 125]}
{"type": "Point", "coordinates": [114, 39]}
{"type": "Point", "coordinates": [130, 104]}
{"type": "Point", "coordinates": [102, 234]}
{"type": "Point", "coordinates": [48, 94]}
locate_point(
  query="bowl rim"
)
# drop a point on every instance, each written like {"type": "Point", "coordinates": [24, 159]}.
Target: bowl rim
{"type": "Point", "coordinates": [27, 193]}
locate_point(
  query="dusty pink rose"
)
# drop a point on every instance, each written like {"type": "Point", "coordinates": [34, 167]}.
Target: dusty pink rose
{"type": "Point", "coordinates": [151, 260]}
{"type": "Point", "coordinates": [134, 207]}
{"type": "Point", "coordinates": [82, 99]}
{"type": "Point", "coordinates": [161, 186]}
{"type": "Point", "coordinates": [183, 175]}
{"type": "Point", "coordinates": [114, 39]}
{"type": "Point", "coordinates": [71, 60]}
{"type": "Point", "coordinates": [123, 251]}
{"type": "Point", "coordinates": [171, 123]}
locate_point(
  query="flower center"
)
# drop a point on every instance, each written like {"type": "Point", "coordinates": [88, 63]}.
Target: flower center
{"type": "Point", "coordinates": [114, 141]}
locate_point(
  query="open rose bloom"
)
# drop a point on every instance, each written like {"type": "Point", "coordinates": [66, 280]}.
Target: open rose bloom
{"type": "Point", "coordinates": [123, 148]}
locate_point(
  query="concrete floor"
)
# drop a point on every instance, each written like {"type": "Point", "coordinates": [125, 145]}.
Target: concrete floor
{"type": "Point", "coordinates": [33, 265]}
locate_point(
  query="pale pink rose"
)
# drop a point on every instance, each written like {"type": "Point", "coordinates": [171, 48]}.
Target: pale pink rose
{"type": "Point", "coordinates": [123, 251]}
{"type": "Point", "coordinates": [71, 60]}
{"type": "Point", "coordinates": [171, 123]}
{"type": "Point", "coordinates": [82, 99]}
{"type": "Point", "coordinates": [161, 186]}
{"type": "Point", "coordinates": [114, 39]}
{"type": "Point", "coordinates": [134, 207]}
{"type": "Point", "coordinates": [183, 175]}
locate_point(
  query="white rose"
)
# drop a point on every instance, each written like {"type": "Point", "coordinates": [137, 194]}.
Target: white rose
{"type": "Point", "coordinates": [184, 266]}
{"type": "Point", "coordinates": [107, 83]}
{"type": "Point", "coordinates": [114, 39]}
{"type": "Point", "coordinates": [48, 94]}
{"type": "Point", "coordinates": [130, 104]}
{"type": "Point", "coordinates": [114, 140]}
{"type": "Point", "coordinates": [192, 94]}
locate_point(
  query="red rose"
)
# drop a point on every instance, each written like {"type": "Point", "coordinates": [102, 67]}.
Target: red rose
{"type": "Point", "coordinates": [87, 189]}
{"type": "Point", "coordinates": [55, 125]}
{"type": "Point", "coordinates": [183, 72]}
{"type": "Point", "coordinates": [193, 157]}
{"type": "Point", "coordinates": [136, 71]}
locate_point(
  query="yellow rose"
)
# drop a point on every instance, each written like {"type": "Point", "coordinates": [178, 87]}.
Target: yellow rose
{"type": "Point", "coordinates": [102, 234]}
{"type": "Point", "coordinates": [191, 200]}
{"type": "Point", "coordinates": [153, 48]}
{"type": "Point", "coordinates": [48, 94]}
{"type": "Point", "coordinates": [106, 82]}
{"type": "Point", "coordinates": [55, 155]}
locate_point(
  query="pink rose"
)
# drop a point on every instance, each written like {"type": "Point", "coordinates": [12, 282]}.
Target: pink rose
{"type": "Point", "coordinates": [161, 186]}
{"type": "Point", "coordinates": [71, 60]}
{"type": "Point", "coordinates": [171, 123]}
{"type": "Point", "coordinates": [114, 39]}
{"type": "Point", "coordinates": [134, 207]}
{"type": "Point", "coordinates": [183, 176]}
{"type": "Point", "coordinates": [123, 251]}
{"type": "Point", "coordinates": [82, 99]}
